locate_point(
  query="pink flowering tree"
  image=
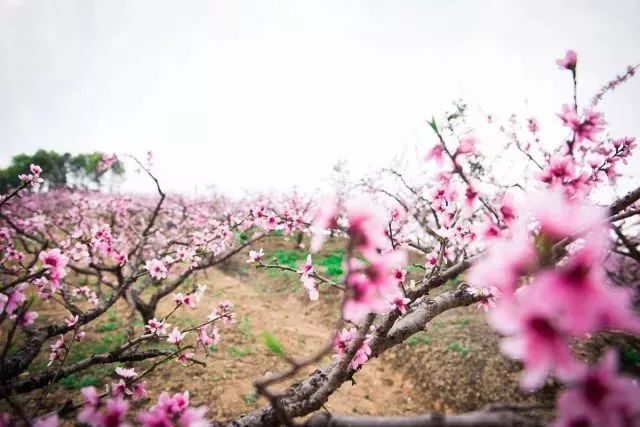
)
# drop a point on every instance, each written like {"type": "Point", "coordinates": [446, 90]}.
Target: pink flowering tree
{"type": "Point", "coordinates": [550, 259]}
{"type": "Point", "coordinates": [85, 251]}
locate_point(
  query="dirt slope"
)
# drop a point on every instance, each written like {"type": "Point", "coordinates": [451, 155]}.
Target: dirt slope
{"type": "Point", "coordinates": [225, 384]}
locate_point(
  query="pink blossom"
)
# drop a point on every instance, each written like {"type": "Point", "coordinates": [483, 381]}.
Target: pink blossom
{"type": "Point", "coordinates": [225, 312]}
{"type": "Point", "coordinates": [587, 128]}
{"type": "Point", "coordinates": [56, 350]}
{"type": "Point", "coordinates": [33, 178]}
{"type": "Point", "coordinates": [185, 358]}
{"type": "Point", "coordinates": [35, 169]}
{"type": "Point", "coordinates": [169, 409]}
{"type": "Point", "coordinates": [307, 268]}
{"type": "Point", "coordinates": [559, 217]}
{"type": "Point", "coordinates": [343, 338]}
{"type": "Point", "coordinates": [396, 215]}
{"type": "Point", "coordinates": [50, 421]}
{"type": "Point", "coordinates": [126, 372]}
{"type": "Point", "coordinates": [80, 336]}
{"type": "Point", "coordinates": [507, 209]}
{"type": "Point", "coordinates": [120, 389]}
{"type": "Point", "coordinates": [536, 337]}
{"type": "Point", "coordinates": [503, 264]}
{"type": "Point", "coordinates": [532, 124]}
{"type": "Point", "coordinates": [569, 61]}
{"type": "Point", "coordinates": [154, 418]}
{"type": "Point", "coordinates": [311, 286]}
{"type": "Point", "coordinates": [139, 390]}
{"type": "Point", "coordinates": [175, 337]}
{"type": "Point", "coordinates": [559, 169]}
{"type": "Point", "coordinates": [600, 398]}
{"type": "Point", "coordinates": [121, 259]}
{"type": "Point", "coordinates": [156, 326]}
{"type": "Point", "coordinates": [367, 229]}
{"type": "Point", "coordinates": [467, 145]}
{"type": "Point", "coordinates": [194, 417]}
{"type": "Point", "coordinates": [225, 305]}
{"type": "Point", "coordinates": [583, 279]}
{"type": "Point", "coordinates": [28, 317]}
{"type": "Point", "coordinates": [341, 342]}
{"type": "Point", "coordinates": [436, 153]}
{"type": "Point", "coordinates": [489, 300]}
{"type": "Point", "coordinates": [54, 262]}
{"type": "Point", "coordinates": [470, 196]}
{"type": "Point", "coordinates": [371, 286]}
{"type": "Point", "coordinates": [326, 217]}
{"type": "Point", "coordinates": [156, 269]}
{"type": "Point", "coordinates": [400, 303]}
{"type": "Point", "coordinates": [431, 260]}
{"type": "Point", "coordinates": [91, 395]}
{"type": "Point", "coordinates": [107, 161]}
{"type": "Point", "coordinates": [114, 412]}
{"type": "Point", "coordinates": [175, 404]}
{"type": "Point", "coordinates": [187, 300]}
{"type": "Point", "coordinates": [592, 124]}
{"type": "Point", "coordinates": [271, 223]}
{"type": "Point", "coordinates": [361, 356]}
{"type": "Point", "coordinates": [71, 320]}
{"type": "Point", "coordinates": [89, 412]}
{"type": "Point", "coordinates": [400, 275]}
{"type": "Point", "coordinates": [206, 339]}
{"type": "Point", "coordinates": [255, 256]}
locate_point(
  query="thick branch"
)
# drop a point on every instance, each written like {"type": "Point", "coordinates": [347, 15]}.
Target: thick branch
{"type": "Point", "coordinates": [309, 395]}
{"type": "Point", "coordinates": [621, 204]}
{"type": "Point", "coordinates": [42, 379]}
{"type": "Point", "coordinates": [470, 419]}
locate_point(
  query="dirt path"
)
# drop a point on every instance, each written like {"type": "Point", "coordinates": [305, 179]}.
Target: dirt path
{"type": "Point", "coordinates": [225, 384]}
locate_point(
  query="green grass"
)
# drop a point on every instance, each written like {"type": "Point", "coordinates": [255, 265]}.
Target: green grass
{"type": "Point", "coordinates": [418, 338]}
{"type": "Point", "coordinates": [250, 398]}
{"type": "Point", "coordinates": [461, 322]}
{"type": "Point", "coordinates": [459, 348]}
{"type": "Point", "coordinates": [240, 351]}
{"type": "Point", "coordinates": [74, 381]}
{"type": "Point", "coordinates": [328, 264]}
{"type": "Point", "coordinates": [289, 257]}
{"type": "Point", "coordinates": [272, 343]}
{"type": "Point", "coordinates": [332, 264]}
{"type": "Point", "coordinates": [439, 324]}
{"type": "Point", "coordinates": [109, 325]}
{"type": "Point", "coordinates": [104, 344]}
{"type": "Point", "coordinates": [414, 269]}
{"type": "Point", "coordinates": [113, 316]}
{"type": "Point", "coordinates": [244, 326]}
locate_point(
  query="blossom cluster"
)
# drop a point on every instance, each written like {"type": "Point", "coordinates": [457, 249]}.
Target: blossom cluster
{"type": "Point", "coordinates": [520, 273]}
{"type": "Point", "coordinates": [371, 282]}
{"type": "Point", "coordinates": [33, 179]}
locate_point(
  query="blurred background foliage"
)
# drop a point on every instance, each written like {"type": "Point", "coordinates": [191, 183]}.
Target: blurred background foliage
{"type": "Point", "coordinates": [59, 170]}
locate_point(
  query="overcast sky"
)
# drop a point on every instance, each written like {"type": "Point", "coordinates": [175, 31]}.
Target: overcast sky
{"type": "Point", "coordinates": [267, 95]}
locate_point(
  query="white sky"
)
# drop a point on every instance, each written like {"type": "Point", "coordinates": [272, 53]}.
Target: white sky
{"type": "Point", "coordinates": [268, 95]}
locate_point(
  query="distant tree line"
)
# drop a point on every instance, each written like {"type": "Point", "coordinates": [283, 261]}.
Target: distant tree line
{"type": "Point", "coordinates": [60, 170]}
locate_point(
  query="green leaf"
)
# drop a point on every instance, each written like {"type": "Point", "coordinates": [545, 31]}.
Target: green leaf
{"type": "Point", "coordinates": [272, 343]}
{"type": "Point", "coordinates": [433, 124]}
